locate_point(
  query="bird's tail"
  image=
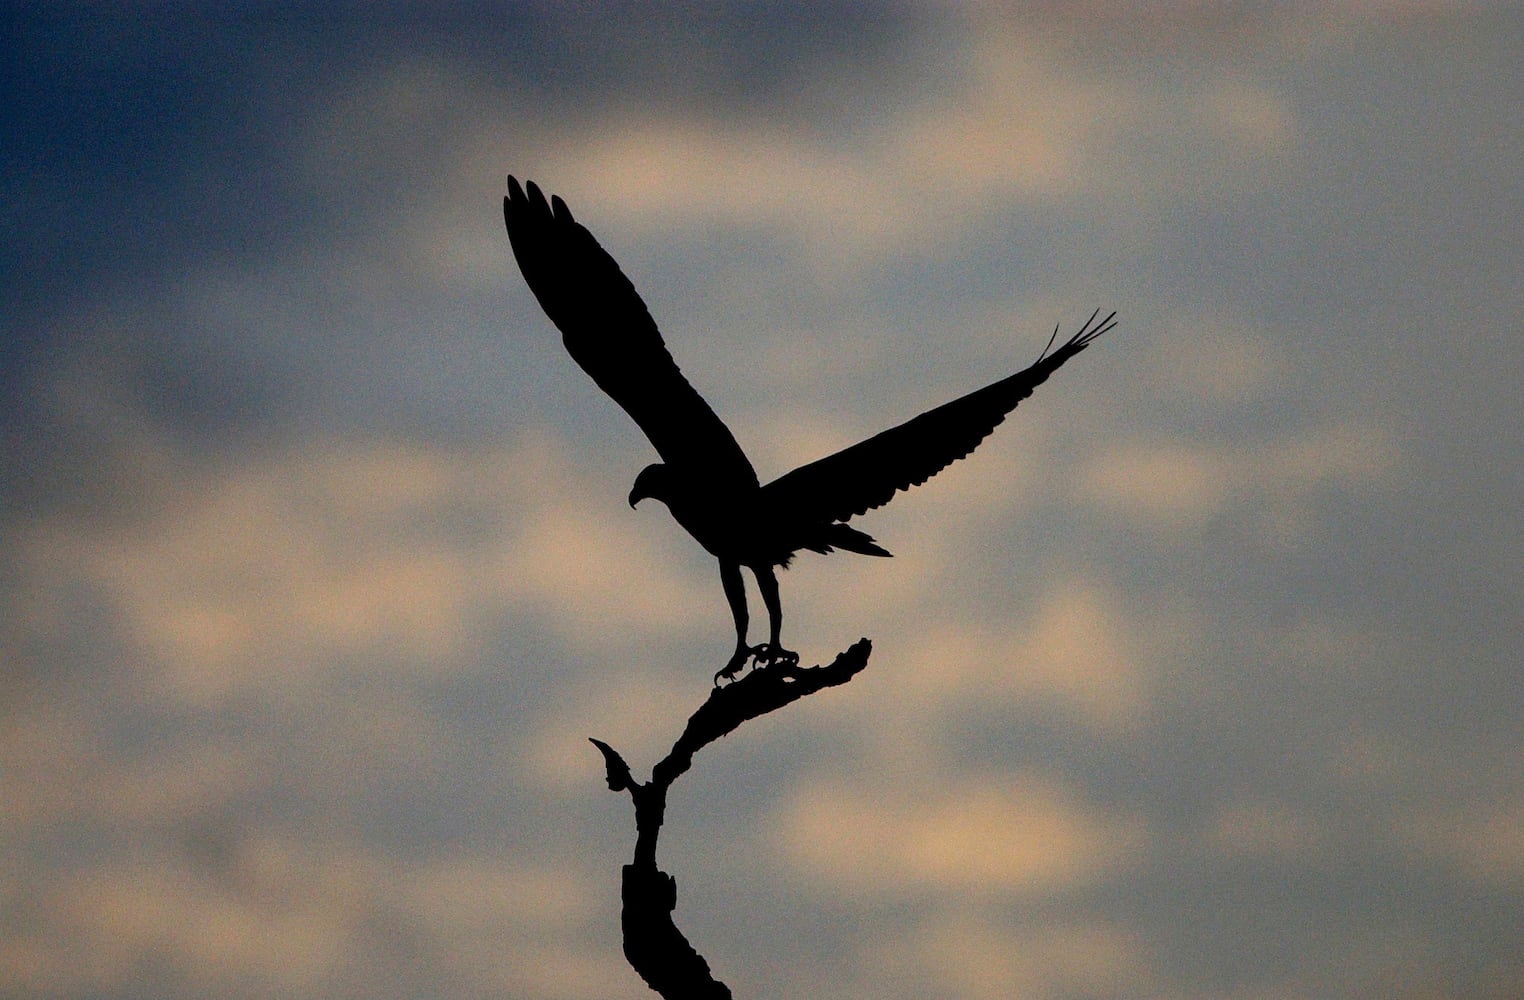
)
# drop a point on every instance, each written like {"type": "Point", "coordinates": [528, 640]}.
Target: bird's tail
{"type": "Point", "coordinates": [846, 537]}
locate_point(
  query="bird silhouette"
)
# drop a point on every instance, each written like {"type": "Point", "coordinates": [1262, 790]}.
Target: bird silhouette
{"type": "Point", "coordinates": [704, 477]}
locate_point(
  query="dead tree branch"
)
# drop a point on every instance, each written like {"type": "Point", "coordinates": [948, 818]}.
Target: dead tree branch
{"type": "Point", "coordinates": [654, 946]}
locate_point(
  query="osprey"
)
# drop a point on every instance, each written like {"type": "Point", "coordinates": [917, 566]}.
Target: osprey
{"type": "Point", "coordinates": [704, 477]}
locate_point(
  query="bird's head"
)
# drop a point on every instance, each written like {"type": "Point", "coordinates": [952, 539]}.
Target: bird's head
{"type": "Point", "coordinates": [652, 482]}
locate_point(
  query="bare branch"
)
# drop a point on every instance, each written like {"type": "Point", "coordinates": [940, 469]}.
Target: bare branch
{"type": "Point", "coordinates": [619, 776]}
{"type": "Point", "coordinates": [654, 946]}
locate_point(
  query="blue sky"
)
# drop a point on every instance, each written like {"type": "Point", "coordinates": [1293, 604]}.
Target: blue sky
{"type": "Point", "coordinates": [1199, 680]}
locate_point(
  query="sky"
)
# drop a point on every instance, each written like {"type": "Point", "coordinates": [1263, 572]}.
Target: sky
{"type": "Point", "coordinates": [1198, 680]}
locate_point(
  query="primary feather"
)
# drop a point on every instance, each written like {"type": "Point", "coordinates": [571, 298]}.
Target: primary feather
{"type": "Point", "coordinates": [609, 332]}
{"type": "Point", "coordinates": [868, 474]}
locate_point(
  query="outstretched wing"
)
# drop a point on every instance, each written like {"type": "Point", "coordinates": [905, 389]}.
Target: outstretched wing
{"type": "Point", "coordinates": [868, 474]}
{"type": "Point", "coordinates": [608, 331]}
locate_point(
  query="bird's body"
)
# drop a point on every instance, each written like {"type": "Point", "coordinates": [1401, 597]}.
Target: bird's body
{"type": "Point", "coordinates": [705, 478]}
{"type": "Point", "coordinates": [736, 521]}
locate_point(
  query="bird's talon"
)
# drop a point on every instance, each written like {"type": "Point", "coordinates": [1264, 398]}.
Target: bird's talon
{"type": "Point", "coordinates": [767, 655]}
{"type": "Point", "coordinates": [735, 666]}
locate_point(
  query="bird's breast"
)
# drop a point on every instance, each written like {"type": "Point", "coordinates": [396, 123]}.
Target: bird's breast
{"type": "Point", "coordinates": [731, 524]}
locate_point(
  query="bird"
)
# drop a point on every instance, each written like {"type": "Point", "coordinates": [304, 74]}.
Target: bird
{"type": "Point", "coordinates": [704, 478]}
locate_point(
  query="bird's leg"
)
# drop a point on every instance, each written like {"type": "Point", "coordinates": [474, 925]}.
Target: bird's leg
{"type": "Point", "coordinates": [735, 593]}
{"type": "Point", "coordinates": [773, 652]}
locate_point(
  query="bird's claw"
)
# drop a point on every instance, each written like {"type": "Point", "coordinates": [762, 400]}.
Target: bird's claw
{"type": "Point", "coordinates": [769, 654]}
{"type": "Point", "coordinates": [735, 666]}
{"type": "Point", "coordinates": [766, 655]}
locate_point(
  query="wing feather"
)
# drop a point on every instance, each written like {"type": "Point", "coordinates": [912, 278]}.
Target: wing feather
{"type": "Point", "coordinates": [869, 473]}
{"type": "Point", "coordinates": [609, 332]}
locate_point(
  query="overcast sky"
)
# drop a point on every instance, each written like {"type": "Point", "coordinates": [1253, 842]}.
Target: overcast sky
{"type": "Point", "coordinates": [1200, 679]}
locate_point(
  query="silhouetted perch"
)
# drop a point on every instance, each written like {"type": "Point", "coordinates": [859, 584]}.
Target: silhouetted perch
{"type": "Point", "coordinates": [654, 946]}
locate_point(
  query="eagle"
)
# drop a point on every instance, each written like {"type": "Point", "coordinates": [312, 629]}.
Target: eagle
{"type": "Point", "coordinates": [704, 477]}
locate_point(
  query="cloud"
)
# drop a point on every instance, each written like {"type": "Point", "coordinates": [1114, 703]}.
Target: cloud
{"type": "Point", "coordinates": [639, 715]}
{"type": "Point", "coordinates": [260, 568]}
{"type": "Point", "coordinates": [1230, 366]}
{"type": "Point", "coordinates": [1265, 829]}
{"type": "Point", "coordinates": [1010, 122]}
{"type": "Point", "coordinates": [280, 915]}
{"type": "Point", "coordinates": [1004, 834]}
{"type": "Point", "coordinates": [1178, 484]}
{"type": "Point", "coordinates": [1485, 842]}
{"type": "Point", "coordinates": [1077, 652]}
{"type": "Point", "coordinates": [972, 954]}
{"type": "Point", "coordinates": [1018, 118]}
